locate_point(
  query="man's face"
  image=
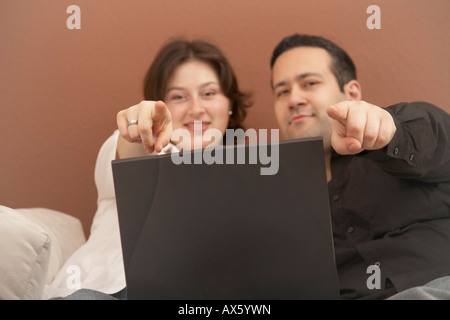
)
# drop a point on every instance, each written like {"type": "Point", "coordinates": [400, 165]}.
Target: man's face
{"type": "Point", "coordinates": [304, 87]}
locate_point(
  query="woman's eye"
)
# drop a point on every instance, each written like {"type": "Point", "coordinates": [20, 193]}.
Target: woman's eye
{"type": "Point", "coordinates": [177, 97]}
{"type": "Point", "coordinates": [210, 94]}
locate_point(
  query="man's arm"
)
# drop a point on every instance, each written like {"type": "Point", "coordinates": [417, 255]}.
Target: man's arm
{"type": "Point", "coordinates": [420, 147]}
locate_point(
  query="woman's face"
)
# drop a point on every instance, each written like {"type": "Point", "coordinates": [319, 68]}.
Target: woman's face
{"type": "Point", "coordinates": [194, 94]}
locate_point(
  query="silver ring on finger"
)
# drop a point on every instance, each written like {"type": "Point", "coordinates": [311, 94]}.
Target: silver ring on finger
{"type": "Point", "coordinates": [132, 122]}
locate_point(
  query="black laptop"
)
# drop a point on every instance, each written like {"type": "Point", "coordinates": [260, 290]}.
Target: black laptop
{"type": "Point", "coordinates": [226, 231]}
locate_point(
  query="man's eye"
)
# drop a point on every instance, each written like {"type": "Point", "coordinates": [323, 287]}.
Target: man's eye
{"type": "Point", "coordinates": [310, 83]}
{"type": "Point", "coordinates": [282, 93]}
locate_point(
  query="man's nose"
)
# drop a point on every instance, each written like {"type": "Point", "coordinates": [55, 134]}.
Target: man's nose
{"type": "Point", "coordinates": [296, 98]}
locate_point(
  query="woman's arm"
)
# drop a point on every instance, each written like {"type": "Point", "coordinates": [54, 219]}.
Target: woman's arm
{"type": "Point", "coordinates": [139, 125]}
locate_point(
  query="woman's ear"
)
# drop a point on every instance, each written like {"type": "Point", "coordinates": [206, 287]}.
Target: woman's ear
{"type": "Point", "coordinates": [352, 90]}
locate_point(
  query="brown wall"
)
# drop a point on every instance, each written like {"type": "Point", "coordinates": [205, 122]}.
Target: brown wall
{"type": "Point", "coordinates": [60, 89]}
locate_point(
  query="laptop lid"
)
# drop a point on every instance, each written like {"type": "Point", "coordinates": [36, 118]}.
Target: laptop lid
{"type": "Point", "coordinates": [225, 231]}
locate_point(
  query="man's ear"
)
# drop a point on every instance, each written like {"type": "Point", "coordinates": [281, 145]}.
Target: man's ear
{"type": "Point", "coordinates": [352, 90]}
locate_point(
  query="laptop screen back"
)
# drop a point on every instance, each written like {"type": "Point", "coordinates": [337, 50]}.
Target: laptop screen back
{"type": "Point", "coordinates": [225, 231]}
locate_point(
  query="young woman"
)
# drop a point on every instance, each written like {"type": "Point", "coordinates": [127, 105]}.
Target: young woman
{"type": "Point", "coordinates": [189, 86]}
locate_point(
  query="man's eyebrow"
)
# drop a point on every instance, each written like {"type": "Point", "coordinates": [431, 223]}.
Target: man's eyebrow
{"type": "Point", "coordinates": [279, 84]}
{"type": "Point", "coordinates": [308, 74]}
{"type": "Point", "coordinates": [299, 78]}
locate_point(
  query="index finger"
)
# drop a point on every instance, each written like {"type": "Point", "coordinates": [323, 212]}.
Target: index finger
{"type": "Point", "coordinates": [338, 111]}
{"type": "Point", "coordinates": [163, 125]}
{"type": "Point", "coordinates": [163, 137]}
{"type": "Point", "coordinates": [160, 111]}
{"type": "Point", "coordinates": [145, 127]}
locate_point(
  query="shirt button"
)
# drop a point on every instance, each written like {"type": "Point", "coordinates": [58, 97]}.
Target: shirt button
{"type": "Point", "coordinates": [396, 151]}
{"type": "Point", "coordinates": [411, 157]}
{"type": "Point", "coordinates": [336, 197]}
{"type": "Point", "coordinates": [350, 229]}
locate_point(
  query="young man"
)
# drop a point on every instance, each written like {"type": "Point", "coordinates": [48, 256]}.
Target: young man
{"type": "Point", "coordinates": [388, 169]}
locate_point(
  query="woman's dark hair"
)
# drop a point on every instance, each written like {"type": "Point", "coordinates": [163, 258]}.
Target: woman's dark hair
{"type": "Point", "coordinates": [179, 51]}
{"type": "Point", "coordinates": [342, 65]}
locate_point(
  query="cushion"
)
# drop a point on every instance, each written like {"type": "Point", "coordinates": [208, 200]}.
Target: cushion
{"type": "Point", "coordinates": [25, 256]}
{"type": "Point", "coordinates": [65, 231]}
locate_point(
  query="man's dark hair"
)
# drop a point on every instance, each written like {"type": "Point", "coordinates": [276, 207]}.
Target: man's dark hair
{"type": "Point", "coordinates": [342, 65]}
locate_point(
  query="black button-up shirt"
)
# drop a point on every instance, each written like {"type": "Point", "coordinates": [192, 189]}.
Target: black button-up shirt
{"type": "Point", "coordinates": [391, 207]}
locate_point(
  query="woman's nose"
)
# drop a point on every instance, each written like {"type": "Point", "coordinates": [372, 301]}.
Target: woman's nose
{"type": "Point", "coordinates": [197, 106]}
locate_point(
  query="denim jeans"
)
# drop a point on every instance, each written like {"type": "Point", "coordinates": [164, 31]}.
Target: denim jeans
{"type": "Point", "coordinates": [438, 289]}
{"type": "Point", "coordinates": [88, 294]}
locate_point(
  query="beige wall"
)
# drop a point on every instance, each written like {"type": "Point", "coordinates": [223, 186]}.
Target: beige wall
{"type": "Point", "coordinates": [60, 89]}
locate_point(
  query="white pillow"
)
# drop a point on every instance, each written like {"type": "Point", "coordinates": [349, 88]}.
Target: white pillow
{"type": "Point", "coordinates": [65, 231]}
{"type": "Point", "coordinates": [24, 256]}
